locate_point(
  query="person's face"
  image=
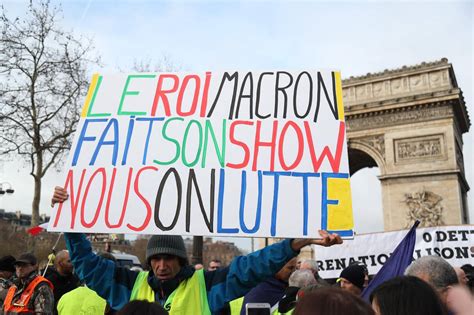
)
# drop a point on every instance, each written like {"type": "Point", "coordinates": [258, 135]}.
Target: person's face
{"type": "Point", "coordinates": [347, 285]}
{"type": "Point", "coordinates": [66, 265]}
{"type": "Point", "coordinates": [298, 264]}
{"type": "Point", "coordinates": [285, 272]}
{"type": "Point", "coordinates": [214, 265]}
{"type": "Point", "coordinates": [24, 269]}
{"type": "Point", "coordinates": [165, 267]}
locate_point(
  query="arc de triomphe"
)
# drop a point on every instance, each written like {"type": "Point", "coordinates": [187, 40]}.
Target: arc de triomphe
{"type": "Point", "coordinates": [409, 123]}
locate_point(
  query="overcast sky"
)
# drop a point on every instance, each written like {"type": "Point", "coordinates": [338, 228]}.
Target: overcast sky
{"type": "Point", "coordinates": [354, 36]}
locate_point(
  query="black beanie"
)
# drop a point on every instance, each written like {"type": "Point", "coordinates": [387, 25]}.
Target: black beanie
{"type": "Point", "coordinates": [166, 245]}
{"type": "Point", "coordinates": [7, 263]}
{"type": "Point", "coordinates": [355, 274]}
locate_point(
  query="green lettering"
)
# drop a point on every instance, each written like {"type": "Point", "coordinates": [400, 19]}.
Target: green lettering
{"type": "Point", "coordinates": [126, 92]}
{"type": "Point", "coordinates": [209, 130]}
{"type": "Point", "coordinates": [89, 111]}
{"type": "Point", "coordinates": [165, 136]}
{"type": "Point", "coordinates": [185, 140]}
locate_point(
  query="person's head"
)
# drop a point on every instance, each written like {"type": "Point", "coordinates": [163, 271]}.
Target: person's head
{"type": "Point", "coordinates": [462, 278]}
{"type": "Point", "coordinates": [434, 270]}
{"type": "Point", "coordinates": [214, 264]}
{"type": "Point", "coordinates": [310, 264]}
{"type": "Point", "coordinates": [166, 255]}
{"type": "Point", "coordinates": [301, 278]}
{"type": "Point", "coordinates": [331, 301]}
{"type": "Point", "coordinates": [298, 262]}
{"type": "Point", "coordinates": [352, 279]}
{"type": "Point", "coordinates": [7, 268]}
{"type": "Point", "coordinates": [285, 272]}
{"type": "Point", "coordinates": [25, 265]}
{"type": "Point", "coordinates": [406, 295]}
{"type": "Point", "coordinates": [63, 263]}
{"type": "Point", "coordinates": [139, 307]}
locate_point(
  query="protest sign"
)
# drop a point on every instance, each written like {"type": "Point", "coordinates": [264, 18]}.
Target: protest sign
{"type": "Point", "coordinates": [453, 243]}
{"type": "Point", "coordinates": [215, 153]}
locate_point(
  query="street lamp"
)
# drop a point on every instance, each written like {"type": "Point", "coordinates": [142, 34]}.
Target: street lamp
{"type": "Point", "coordinates": [6, 188]}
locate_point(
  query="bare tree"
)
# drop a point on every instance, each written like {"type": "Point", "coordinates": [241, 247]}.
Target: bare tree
{"type": "Point", "coordinates": [43, 78]}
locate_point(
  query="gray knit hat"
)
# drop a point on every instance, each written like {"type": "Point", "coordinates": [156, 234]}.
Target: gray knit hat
{"type": "Point", "coordinates": [167, 245]}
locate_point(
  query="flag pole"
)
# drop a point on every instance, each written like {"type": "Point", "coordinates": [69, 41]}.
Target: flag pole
{"type": "Point", "coordinates": [53, 250]}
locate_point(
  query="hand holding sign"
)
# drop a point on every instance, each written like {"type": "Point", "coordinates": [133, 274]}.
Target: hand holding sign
{"type": "Point", "coordinates": [325, 241]}
{"type": "Point", "coordinates": [60, 195]}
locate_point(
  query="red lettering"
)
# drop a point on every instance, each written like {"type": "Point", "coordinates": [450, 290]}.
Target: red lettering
{"type": "Point", "coordinates": [271, 144]}
{"type": "Point", "coordinates": [143, 199]}
{"type": "Point", "coordinates": [97, 211]}
{"type": "Point", "coordinates": [69, 185]}
{"type": "Point", "coordinates": [125, 201]}
{"type": "Point", "coordinates": [241, 144]}
{"type": "Point", "coordinates": [205, 94]}
{"type": "Point", "coordinates": [335, 161]}
{"type": "Point", "coordinates": [161, 94]}
{"type": "Point", "coordinates": [179, 104]}
{"type": "Point", "coordinates": [299, 155]}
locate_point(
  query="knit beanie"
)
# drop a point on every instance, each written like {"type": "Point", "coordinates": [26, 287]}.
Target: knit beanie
{"type": "Point", "coordinates": [7, 263]}
{"type": "Point", "coordinates": [166, 245]}
{"type": "Point", "coordinates": [355, 274]}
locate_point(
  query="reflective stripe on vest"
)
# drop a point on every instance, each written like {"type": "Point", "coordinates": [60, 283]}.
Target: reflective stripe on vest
{"type": "Point", "coordinates": [189, 298]}
{"type": "Point", "coordinates": [21, 306]}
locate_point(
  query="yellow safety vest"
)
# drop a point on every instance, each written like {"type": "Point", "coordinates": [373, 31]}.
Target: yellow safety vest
{"type": "Point", "coordinates": [190, 297]}
{"type": "Point", "coordinates": [236, 307]}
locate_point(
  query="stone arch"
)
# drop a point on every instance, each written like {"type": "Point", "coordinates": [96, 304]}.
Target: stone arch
{"type": "Point", "coordinates": [409, 122]}
{"type": "Point", "coordinates": [363, 155]}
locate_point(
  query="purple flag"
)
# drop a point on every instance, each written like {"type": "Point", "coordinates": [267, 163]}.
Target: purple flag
{"type": "Point", "coordinates": [397, 263]}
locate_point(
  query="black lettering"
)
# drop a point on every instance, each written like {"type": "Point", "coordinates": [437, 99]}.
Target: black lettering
{"type": "Point", "coordinates": [372, 260]}
{"type": "Point", "coordinates": [318, 99]}
{"type": "Point", "coordinates": [295, 95]}
{"type": "Point", "coordinates": [418, 253]}
{"type": "Point", "coordinates": [249, 96]}
{"type": "Point", "coordinates": [364, 259]}
{"type": "Point", "coordinates": [340, 263]}
{"type": "Point", "coordinates": [193, 182]}
{"type": "Point", "coordinates": [437, 251]}
{"type": "Point", "coordinates": [427, 237]}
{"type": "Point", "coordinates": [462, 252]}
{"type": "Point", "coordinates": [282, 89]}
{"type": "Point", "coordinates": [441, 236]}
{"type": "Point", "coordinates": [179, 189]}
{"type": "Point", "coordinates": [463, 235]}
{"type": "Point", "coordinates": [320, 265]}
{"type": "Point", "coordinates": [382, 259]}
{"type": "Point", "coordinates": [447, 253]}
{"type": "Point", "coordinates": [452, 236]}
{"type": "Point", "coordinates": [257, 102]}
{"type": "Point", "coordinates": [225, 77]}
{"type": "Point", "coordinates": [329, 265]}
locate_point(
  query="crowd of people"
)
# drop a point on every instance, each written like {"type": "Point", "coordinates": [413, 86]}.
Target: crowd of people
{"type": "Point", "coordinates": [81, 281]}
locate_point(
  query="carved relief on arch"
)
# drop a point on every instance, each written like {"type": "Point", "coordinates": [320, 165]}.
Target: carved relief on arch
{"type": "Point", "coordinates": [374, 146]}
{"type": "Point", "coordinates": [424, 206]}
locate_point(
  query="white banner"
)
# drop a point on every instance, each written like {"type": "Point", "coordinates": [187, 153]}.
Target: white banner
{"type": "Point", "coordinates": [213, 153]}
{"type": "Point", "coordinates": [453, 243]}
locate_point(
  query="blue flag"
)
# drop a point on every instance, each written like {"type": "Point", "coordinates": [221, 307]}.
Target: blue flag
{"type": "Point", "coordinates": [397, 263]}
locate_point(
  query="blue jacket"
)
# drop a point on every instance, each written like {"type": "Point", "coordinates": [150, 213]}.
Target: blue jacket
{"type": "Point", "coordinates": [115, 283]}
{"type": "Point", "coordinates": [269, 291]}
